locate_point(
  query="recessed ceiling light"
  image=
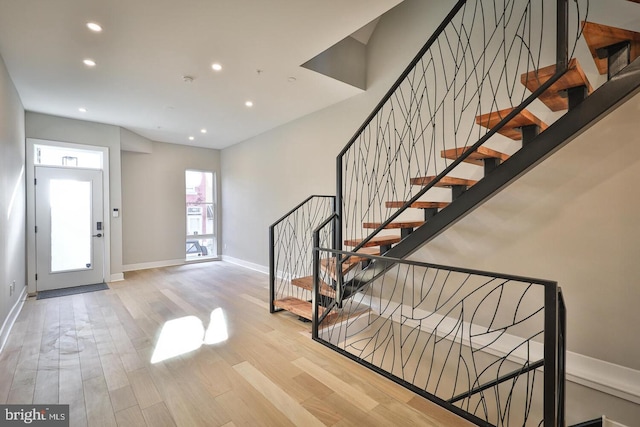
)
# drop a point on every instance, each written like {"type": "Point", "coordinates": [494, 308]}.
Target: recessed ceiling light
{"type": "Point", "coordinates": [82, 110]}
{"type": "Point", "coordinates": [89, 62]}
{"type": "Point", "coordinates": [216, 66]}
{"type": "Point", "coordinates": [94, 27]}
{"type": "Point", "coordinates": [292, 79]}
{"type": "Point", "coordinates": [249, 103]}
{"type": "Point", "coordinates": [191, 138]}
{"type": "Point", "coordinates": [203, 130]}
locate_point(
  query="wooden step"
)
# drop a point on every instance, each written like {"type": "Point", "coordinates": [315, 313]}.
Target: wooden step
{"type": "Point", "coordinates": [375, 241]}
{"type": "Point", "coordinates": [512, 128]}
{"type": "Point", "coordinates": [418, 205]}
{"type": "Point", "coordinates": [297, 306]}
{"type": "Point", "coordinates": [307, 283]}
{"type": "Point", "coordinates": [599, 36]}
{"type": "Point", "coordinates": [553, 97]}
{"type": "Point", "coordinates": [329, 264]}
{"type": "Point", "coordinates": [394, 225]}
{"type": "Point", "coordinates": [475, 158]}
{"type": "Point", "coordinates": [447, 181]}
{"type": "Point", "coordinates": [304, 309]}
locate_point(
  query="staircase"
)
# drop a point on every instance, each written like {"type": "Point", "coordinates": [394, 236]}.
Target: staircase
{"type": "Point", "coordinates": [346, 293]}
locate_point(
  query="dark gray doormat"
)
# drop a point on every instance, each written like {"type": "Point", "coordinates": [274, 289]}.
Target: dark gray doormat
{"type": "Point", "coordinates": [72, 291]}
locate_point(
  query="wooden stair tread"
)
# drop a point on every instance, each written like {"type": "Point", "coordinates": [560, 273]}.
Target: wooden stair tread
{"type": "Point", "coordinates": [394, 225]}
{"type": "Point", "coordinates": [511, 129]}
{"type": "Point", "coordinates": [304, 309]}
{"type": "Point", "coordinates": [476, 157]}
{"type": "Point", "coordinates": [375, 241]}
{"type": "Point", "coordinates": [307, 283]}
{"type": "Point", "coordinates": [297, 306]}
{"type": "Point", "coordinates": [329, 264]}
{"type": "Point", "coordinates": [418, 205]}
{"type": "Point", "coordinates": [447, 181]}
{"type": "Point", "coordinates": [552, 98]}
{"type": "Point", "coordinates": [598, 36]}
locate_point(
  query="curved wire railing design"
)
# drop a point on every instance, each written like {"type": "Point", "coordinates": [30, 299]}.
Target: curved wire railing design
{"type": "Point", "coordinates": [291, 247]}
{"type": "Point", "coordinates": [471, 67]}
{"type": "Point", "coordinates": [490, 347]}
{"type": "Point", "coordinates": [472, 341]}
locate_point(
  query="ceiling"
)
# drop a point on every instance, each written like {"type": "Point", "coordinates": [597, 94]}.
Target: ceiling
{"type": "Point", "coordinates": [147, 47]}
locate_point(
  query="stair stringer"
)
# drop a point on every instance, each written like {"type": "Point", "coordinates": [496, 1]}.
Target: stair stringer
{"type": "Point", "coordinates": [596, 106]}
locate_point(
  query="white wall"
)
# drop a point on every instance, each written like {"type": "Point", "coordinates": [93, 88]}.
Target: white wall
{"type": "Point", "coordinates": [12, 201]}
{"type": "Point", "coordinates": [42, 126]}
{"type": "Point", "coordinates": [153, 202]}
{"type": "Point", "coordinates": [573, 219]}
{"type": "Point", "coordinates": [264, 177]}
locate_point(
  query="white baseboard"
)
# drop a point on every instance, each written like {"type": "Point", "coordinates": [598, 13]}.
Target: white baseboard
{"type": "Point", "coordinates": [609, 423]}
{"type": "Point", "coordinates": [609, 378]}
{"type": "Point", "coordinates": [246, 264]}
{"type": "Point", "coordinates": [117, 277]}
{"type": "Point", "coordinates": [154, 264]}
{"type": "Point", "coordinates": [11, 318]}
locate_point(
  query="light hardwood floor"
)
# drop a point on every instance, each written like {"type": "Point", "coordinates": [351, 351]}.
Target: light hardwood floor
{"type": "Point", "coordinates": [93, 351]}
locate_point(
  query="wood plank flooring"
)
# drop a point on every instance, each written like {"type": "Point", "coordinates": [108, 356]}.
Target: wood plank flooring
{"type": "Point", "coordinates": [93, 352]}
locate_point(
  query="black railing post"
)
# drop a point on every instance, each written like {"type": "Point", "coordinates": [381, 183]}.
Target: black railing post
{"type": "Point", "coordinates": [551, 376]}
{"type": "Point", "coordinates": [562, 36]}
{"type": "Point", "coordinates": [337, 232]}
{"type": "Point", "coordinates": [562, 357]}
{"type": "Point", "coordinates": [272, 270]}
{"type": "Point", "coordinates": [315, 297]}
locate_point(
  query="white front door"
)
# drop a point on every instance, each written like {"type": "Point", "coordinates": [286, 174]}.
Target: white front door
{"type": "Point", "coordinates": [69, 227]}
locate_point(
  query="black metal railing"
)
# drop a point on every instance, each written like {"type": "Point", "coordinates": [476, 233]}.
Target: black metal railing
{"type": "Point", "coordinates": [487, 346]}
{"type": "Point", "coordinates": [470, 67]}
{"type": "Point", "coordinates": [291, 247]}
{"type": "Point", "coordinates": [490, 347]}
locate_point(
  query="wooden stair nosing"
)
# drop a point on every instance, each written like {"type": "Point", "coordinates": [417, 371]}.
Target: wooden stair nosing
{"type": "Point", "coordinates": [307, 283]}
{"type": "Point", "coordinates": [447, 181]}
{"type": "Point", "coordinates": [418, 204]}
{"type": "Point", "coordinates": [375, 241]}
{"type": "Point", "coordinates": [394, 225]}
{"type": "Point", "coordinates": [512, 128]}
{"type": "Point", "coordinates": [552, 97]}
{"type": "Point", "coordinates": [598, 36]}
{"type": "Point", "coordinates": [476, 157]}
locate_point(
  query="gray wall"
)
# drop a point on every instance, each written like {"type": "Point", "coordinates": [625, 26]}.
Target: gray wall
{"type": "Point", "coordinates": [153, 201]}
{"type": "Point", "coordinates": [573, 219]}
{"type": "Point", "coordinates": [12, 197]}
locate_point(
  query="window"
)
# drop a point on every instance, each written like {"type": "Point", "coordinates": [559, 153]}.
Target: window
{"type": "Point", "coordinates": [200, 215]}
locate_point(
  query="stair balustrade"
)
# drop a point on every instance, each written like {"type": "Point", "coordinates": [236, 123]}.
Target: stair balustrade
{"type": "Point", "coordinates": [488, 346]}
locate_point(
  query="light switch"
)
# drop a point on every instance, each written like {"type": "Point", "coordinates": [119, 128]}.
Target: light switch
{"type": "Point", "coordinates": [116, 213]}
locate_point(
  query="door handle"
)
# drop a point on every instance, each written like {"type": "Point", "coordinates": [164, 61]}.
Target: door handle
{"type": "Point", "coordinates": [97, 235]}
